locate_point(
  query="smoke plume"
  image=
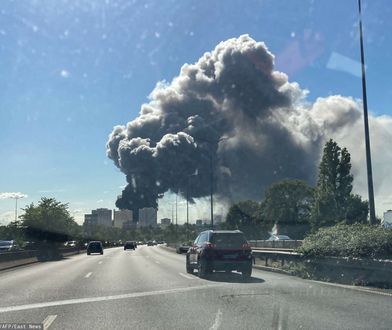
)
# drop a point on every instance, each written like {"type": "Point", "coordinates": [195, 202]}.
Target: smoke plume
{"type": "Point", "coordinates": [230, 118]}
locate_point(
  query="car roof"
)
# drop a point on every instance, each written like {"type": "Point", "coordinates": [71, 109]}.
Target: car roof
{"type": "Point", "coordinates": [223, 231]}
{"type": "Point", "coordinates": [95, 242]}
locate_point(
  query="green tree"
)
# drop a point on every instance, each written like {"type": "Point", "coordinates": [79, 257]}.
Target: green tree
{"type": "Point", "coordinates": [287, 205]}
{"type": "Point", "coordinates": [247, 217]}
{"type": "Point", "coordinates": [333, 200]}
{"type": "Point", "coordinates": [49, 221]}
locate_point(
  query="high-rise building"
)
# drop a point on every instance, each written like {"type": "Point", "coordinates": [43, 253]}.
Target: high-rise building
{"type": "Point", "coordinates": [90, 220]}
{"type": "Point", "coordinates": [104, 217]}
{"type": "Point", "coordinates": [122, 217]}
{"type": "Point", "coordinates": [147, 217]}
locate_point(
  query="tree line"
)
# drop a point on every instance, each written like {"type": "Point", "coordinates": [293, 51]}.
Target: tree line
{"type": "Point", "coordinates": [295, 208]}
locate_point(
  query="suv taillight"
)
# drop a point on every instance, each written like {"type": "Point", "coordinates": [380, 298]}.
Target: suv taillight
{"type": "Point", "coordinates": [246, 246]}
{"type": "Point", "coordinates": [210, 245]}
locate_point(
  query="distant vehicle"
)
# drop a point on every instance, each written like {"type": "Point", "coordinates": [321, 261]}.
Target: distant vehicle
{"type": "Point", "coordinates": [6, 246]}
{"type": "Point", "coordinates": [226, 250]}
{"type": "Point", "coordinates": [279, 238]}
{"type": "Point", "coordinates": [70, 243]}
{"type": "Point", "coordinates": [95, 247]}
{"type": "Point", "coordinates": [184, 247]}
{"type": "Point", "coordinates": [150, 243]}
{"type": "Point", "coordinates": [130, 245]}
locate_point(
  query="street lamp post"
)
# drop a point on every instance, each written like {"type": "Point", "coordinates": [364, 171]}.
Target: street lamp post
{"type": "Point", "coordinates": [210, 155]}
{"type": "Point", "coordinates": [372, 213]}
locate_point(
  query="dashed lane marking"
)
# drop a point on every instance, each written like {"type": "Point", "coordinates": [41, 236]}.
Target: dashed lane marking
{"type": "Point", "coordinates": [108, 298]}
{"type": "Point", "coordinates": [48, 321]}
{"type": "Point", "coordinates": [186, 276]}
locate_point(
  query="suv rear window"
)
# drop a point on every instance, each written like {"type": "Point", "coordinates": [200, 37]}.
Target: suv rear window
{"type": "Point", "coordinates": [226, 240]}
{"type": "Point", "coordinates": [95, 245]}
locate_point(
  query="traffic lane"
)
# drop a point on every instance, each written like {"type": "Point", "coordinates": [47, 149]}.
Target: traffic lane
{"type": "Point", "coordinates": [225, 306]}
{"type": "Point", "coordinates": [117, 271]}
{"type": "Point", "coordinates": [289, 296]}
{"type": "Point", "coordinates": [136, 271]}
{"type": "Point", "coordinates": [47, 280]}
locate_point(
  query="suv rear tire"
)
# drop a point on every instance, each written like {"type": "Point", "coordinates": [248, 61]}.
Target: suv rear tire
{"type": "Point", "coordinates": [189, 268]}
{"type": "Point", "coordinates": [203, 268]}
{"type": "Point", "coordinates": [247, 273]}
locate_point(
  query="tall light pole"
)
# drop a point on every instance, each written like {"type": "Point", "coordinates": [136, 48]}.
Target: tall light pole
{"type": "Point", "coordinates": [372, 212]}
{"type": "Point", "coordinates": [16, 207]}
{"type": "Point", "coordinates": [211, 156]}
{"type": "Point", "coordinates": [212, 191]}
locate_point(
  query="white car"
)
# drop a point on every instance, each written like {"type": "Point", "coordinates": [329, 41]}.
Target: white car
{"type": "Point", "coordinates": [279, 238]}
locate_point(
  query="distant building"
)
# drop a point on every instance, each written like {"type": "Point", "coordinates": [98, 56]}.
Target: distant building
{"type": "Point", "coordinates": [121, 217]}
{"type": "Point", "coordinates": [199, 222]}
{"type": "Point", "coordinates": [387, 219]}
{"type": "Point", "coordinates": [147, 217]}
{"type": "Point", "coordinates": [104, 217]}
{"type": "Point", "coordinates": [165, 222]}
{"type": "Point", "coordinates": [90, 220]}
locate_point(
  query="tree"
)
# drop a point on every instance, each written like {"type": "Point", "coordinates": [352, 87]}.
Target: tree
{"type": "Point", "coordinates": [334, 202]}
{"type": "Point", "coordinates": [287, 205]}
{"type": "Point", "coordinates": [49, 221]}
{"type": "Point", "coordinates": [247, 217]}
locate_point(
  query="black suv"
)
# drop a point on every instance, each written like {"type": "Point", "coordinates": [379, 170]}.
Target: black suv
{"type": "Point", "coordinates": [130, 245]}
{"type": "Point", "coordinates": [220, 250]}
{"type": "Point", "coordinates": [95, 247]}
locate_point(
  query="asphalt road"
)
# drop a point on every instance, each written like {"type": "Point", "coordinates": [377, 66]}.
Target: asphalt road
{"type": "Point", "coordinates": [149, 289]}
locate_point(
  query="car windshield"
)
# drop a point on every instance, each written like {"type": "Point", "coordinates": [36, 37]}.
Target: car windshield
{"type": "Point", "coordinates": [196, 164]}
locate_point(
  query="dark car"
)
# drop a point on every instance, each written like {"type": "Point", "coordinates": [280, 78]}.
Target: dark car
{"type": "Point", "coordinates": [130, 245]}
{"type": "Point", "coordinates": [95, 247]}
{"type": "Point", "coordinates": [220, 250]}
{"type": "Point", "coordinates": [7, 246]}
{"type": "Point", "coordinates": [150, 243]}
{"type": "Point", "coordinates": [184, 247]}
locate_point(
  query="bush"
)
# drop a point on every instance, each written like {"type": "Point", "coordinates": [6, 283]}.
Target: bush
{"type": "Point", "coordinates": [357, 240]}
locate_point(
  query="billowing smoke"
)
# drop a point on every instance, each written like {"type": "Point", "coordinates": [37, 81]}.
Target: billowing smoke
{"type": "Point", "coordinates": [230, 118]}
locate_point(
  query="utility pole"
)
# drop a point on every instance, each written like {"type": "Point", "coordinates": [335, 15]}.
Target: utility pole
{"type": "Point", "coordinates": [212, 191]}
{"type": "Point", "coordinates": [372, 212]}
{"type": "Point", "coordinates": [16, 208]}
{"type": "Point", "coordinates": [187, 210]}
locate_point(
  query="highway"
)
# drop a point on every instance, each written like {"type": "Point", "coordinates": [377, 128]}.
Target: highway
{"type": "Point", "coordinates": [149, 289]}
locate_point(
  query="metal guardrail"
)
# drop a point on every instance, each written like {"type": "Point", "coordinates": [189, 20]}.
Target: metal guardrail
{"type": "Point", "coordinates": [283, 244]}
{"type": "Point", "coordinates": [20, 258]}
{"type": "Point", "coordinates": [359, 271]}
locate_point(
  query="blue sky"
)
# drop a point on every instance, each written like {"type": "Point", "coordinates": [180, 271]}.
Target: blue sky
{"type": "Point", "coordinates": [71, 70]}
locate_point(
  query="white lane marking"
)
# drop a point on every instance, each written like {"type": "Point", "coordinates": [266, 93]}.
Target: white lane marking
{"type": "Point", "coordinates": [186, 276]}
{"type": "Point", "coordinates": [218, 321]}
{"type": "Point", "coordinates": [355, 288]}
{"type": "Point", "coordinates": [157, 262]}
{"type": "Point", "coordinates": [48, 321]}
{"type": "Point", "coordinates": [350, 287]}
{"type": "Point", "coordinates": [99, 262]}
{"type": "Point", "coordinates": [107, 298]}
{"type": "Point", "coordinates": [88, 275]}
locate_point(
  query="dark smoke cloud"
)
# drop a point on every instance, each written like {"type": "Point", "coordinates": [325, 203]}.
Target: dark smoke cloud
{"type": "Point", "coordinates": [230, 107]}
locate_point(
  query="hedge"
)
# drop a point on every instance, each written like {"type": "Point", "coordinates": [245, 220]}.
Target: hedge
{"type": "Point", "coordinates": [356, 240]}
